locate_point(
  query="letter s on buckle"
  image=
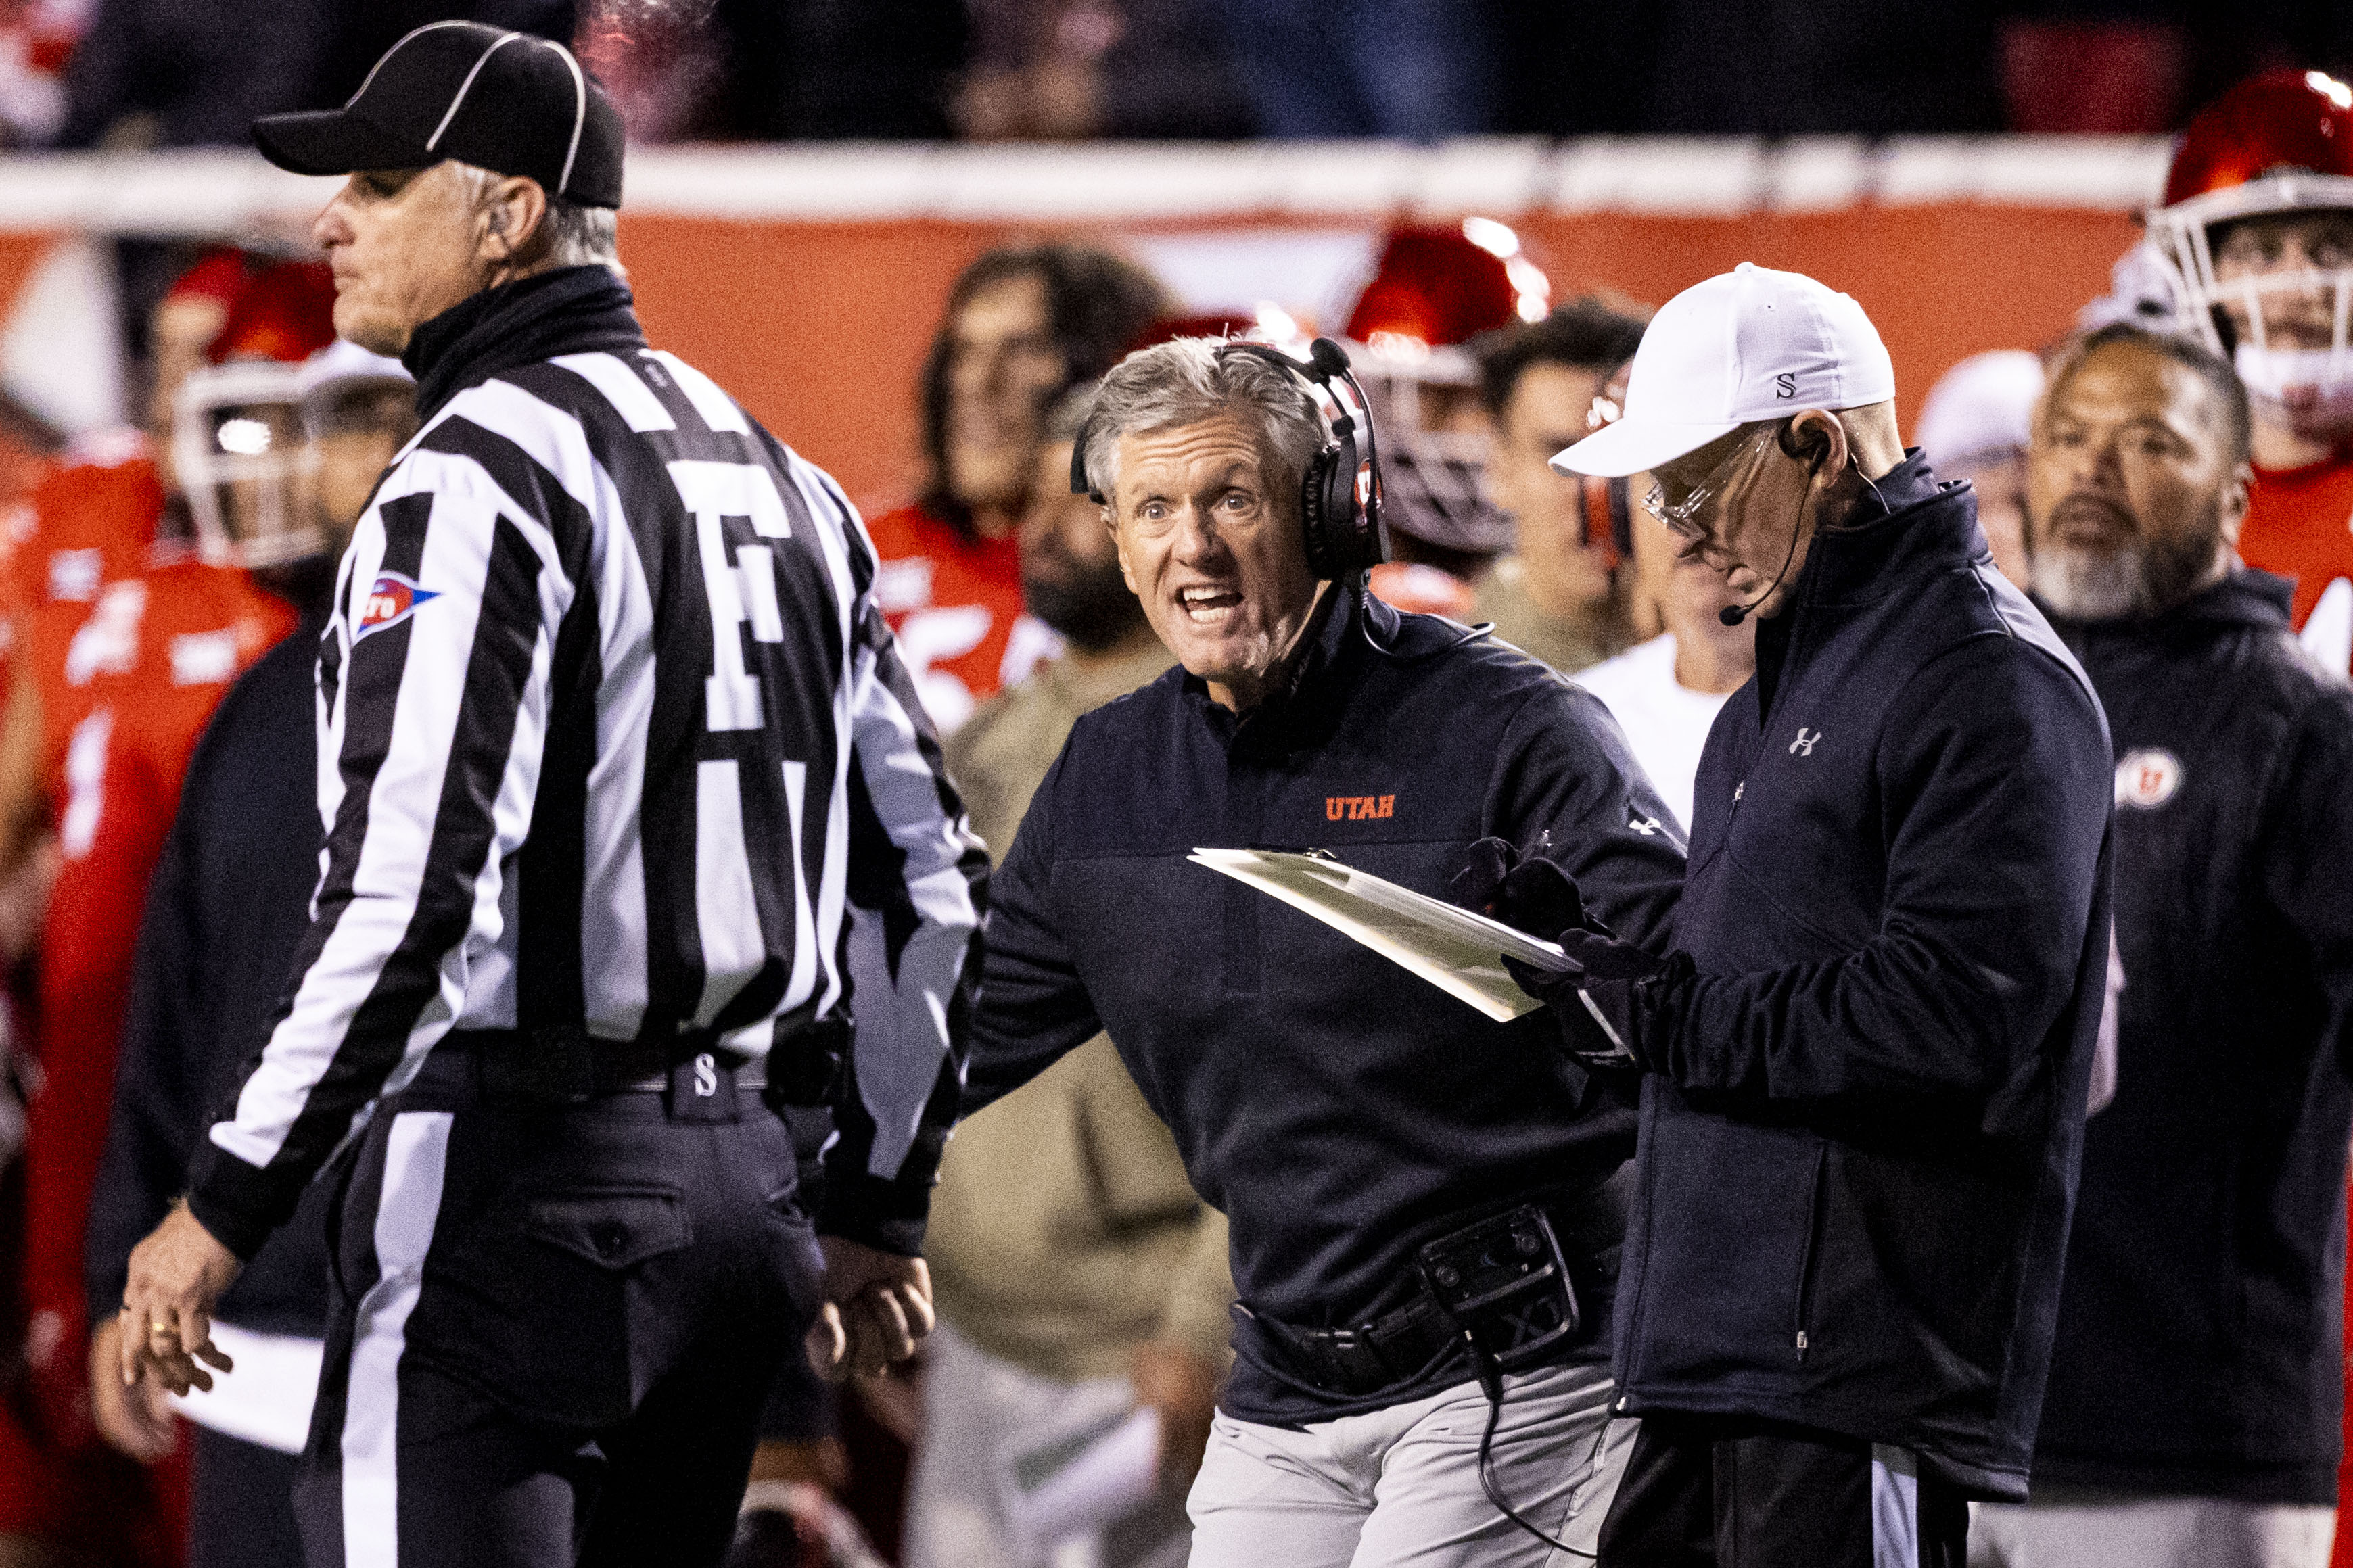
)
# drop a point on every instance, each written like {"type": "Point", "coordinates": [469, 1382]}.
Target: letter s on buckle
{"type": "Point", "coordinates": [706, 1075]}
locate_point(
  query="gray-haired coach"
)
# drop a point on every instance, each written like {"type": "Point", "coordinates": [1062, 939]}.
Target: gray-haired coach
{"type": "Point", "coordinates": [612, 737]}
{"type": "Point", "coordinates": [1863, 1069]}
{"type": "Point", "coordinates": [1382, 1152]}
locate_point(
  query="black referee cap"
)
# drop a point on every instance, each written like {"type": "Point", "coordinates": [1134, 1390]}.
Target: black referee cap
{"type": "Point", "coordinates": [510, 102]}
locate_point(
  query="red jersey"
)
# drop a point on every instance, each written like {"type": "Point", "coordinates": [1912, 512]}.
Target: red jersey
{"type": "Point", "coordinates": [2300, 525]}
{"type": "Point", "coordinates": [91, 521]}
{"type": "Point", "coordinates": [127, 689]}
{"type": "Point", "coordinates": [1421, 589]}
{"type": "Point", "coordinates": [956, 604]}
{"type": "Point", "coordinates": [89, 525]}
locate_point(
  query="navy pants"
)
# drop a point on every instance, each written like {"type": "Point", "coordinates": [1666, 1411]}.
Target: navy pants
{"type": "Point", "coordinates": [552, 1328]}
{"type": "Point", "coordinates": [1703, 1492]}
{"type": "Point", "coordinates": [240, 1504]}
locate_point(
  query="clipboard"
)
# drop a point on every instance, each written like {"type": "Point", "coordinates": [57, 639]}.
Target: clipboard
{"type": "Point", "coordinates": [1459, 950]}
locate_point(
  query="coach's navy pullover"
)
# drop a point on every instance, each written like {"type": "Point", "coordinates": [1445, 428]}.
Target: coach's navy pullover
{"type": "Point", "coordinates": [1338, 1110]}
{"type": "Point", "coordinates": [1861, 1137]}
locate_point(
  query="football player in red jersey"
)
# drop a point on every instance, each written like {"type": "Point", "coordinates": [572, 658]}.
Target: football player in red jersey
{"type": "Point", "coordinates": [1024, 325]}
{"type": "Point", "coordinates": [127, 641]}
{"type": "Point", "coordinates": [1434, 289]}
{"type": "Point", "coordinates": [2257, 224]}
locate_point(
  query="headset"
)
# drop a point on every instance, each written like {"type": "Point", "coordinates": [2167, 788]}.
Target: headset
{"type": "Point", "coordinates": [1812, 449]}
{"type": "Point", "coordinates": [1608, 517]}
{"type": "Point", "coordinates": [1606, 513]}
{"type": "Point", "coordinates": [1340, 494]}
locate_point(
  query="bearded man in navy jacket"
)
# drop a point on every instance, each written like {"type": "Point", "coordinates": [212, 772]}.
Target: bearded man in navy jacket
{"type": "Point", "coordinates": [1342, 1113]}
{"type": "Point", "coordinates": [2197, 1376]}
{"type": "Point", "coordinates": [1864, 1068]}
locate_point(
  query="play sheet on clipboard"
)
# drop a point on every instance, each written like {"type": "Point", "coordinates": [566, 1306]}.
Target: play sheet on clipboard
{"type": "Point", "coordinates": [1456, 950]}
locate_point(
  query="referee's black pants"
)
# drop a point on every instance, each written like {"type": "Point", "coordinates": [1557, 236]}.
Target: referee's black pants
{"type": "Point", "coordinates": [1713, 1492]}
{"type": "Point", "coordinates": [552, 1328]}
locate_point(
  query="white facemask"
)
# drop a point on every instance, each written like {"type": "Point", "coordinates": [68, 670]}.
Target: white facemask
{"type": "Point", "coordinates": [2309, 390]}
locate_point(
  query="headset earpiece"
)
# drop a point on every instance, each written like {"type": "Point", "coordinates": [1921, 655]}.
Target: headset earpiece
{"type": "Point", "coordinates": [1344, 532]}
{"type": "Point", "coordinates": [1605, 517]}
{"type": "Point", "coordinates": [1812, 446]}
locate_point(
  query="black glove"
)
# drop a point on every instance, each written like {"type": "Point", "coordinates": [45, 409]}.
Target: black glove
{"type": "Point", "coordinates": [1594, 1002]}
{"type": "Point", "coordinates": [1532, 894]}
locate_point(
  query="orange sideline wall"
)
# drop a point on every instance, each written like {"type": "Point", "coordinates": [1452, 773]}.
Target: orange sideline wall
{"type": "Point", "coordinates": [820, 328]}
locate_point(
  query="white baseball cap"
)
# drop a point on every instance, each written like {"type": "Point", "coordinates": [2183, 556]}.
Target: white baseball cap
{"type": "Point", "coordinates": [1747, 344]}
{"type": "Point", "coordinates": [1983, 404]}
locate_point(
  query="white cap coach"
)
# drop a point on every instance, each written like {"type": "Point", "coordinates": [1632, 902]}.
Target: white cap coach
{"type": "Point", "coordinates": [1746, 345]}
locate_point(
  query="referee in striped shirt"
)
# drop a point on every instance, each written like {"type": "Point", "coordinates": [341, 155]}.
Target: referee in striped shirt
{"type": "Point", "coordinates": [625, 792]}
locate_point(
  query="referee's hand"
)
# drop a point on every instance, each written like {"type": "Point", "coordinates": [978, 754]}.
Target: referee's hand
{"type": "Point", "coordinates": [176, 1276]}
{"type": "Point", "coordinates": [878, 1309]}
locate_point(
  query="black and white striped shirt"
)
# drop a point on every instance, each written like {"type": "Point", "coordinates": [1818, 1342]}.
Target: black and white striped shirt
{"type": "Point", "coordinates": [613, 738]}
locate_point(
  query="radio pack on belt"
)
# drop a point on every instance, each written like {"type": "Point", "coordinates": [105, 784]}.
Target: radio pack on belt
{"type": "Point", "coordinates": [1506, 1285]}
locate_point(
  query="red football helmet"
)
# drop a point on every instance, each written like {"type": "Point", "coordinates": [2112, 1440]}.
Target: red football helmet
{"type": "Point", "coordinates": [2278, 143]}
{"type": "Point", "coordinates": [285, 313]}
{"type": "Point", "coordinates": [1435, 290]}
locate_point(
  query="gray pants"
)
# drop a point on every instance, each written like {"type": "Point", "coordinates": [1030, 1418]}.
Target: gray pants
{"type": "Point", "coordinates": [2085, 1529]}
{"type": "Point", "coordinates": [1402, 1485]}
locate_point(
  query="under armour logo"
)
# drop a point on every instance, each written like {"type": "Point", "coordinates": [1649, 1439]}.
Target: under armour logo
{"type": "Point", "coordinates": [1803, 746]}
{"type": "Point", "coordinates": [1645, 825]}
{"type": "Point", "coordinates": [706, 1075]}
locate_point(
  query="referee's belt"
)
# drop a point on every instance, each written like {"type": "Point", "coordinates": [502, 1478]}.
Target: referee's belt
{"type": "Point", "coordinates": [564, 1063]}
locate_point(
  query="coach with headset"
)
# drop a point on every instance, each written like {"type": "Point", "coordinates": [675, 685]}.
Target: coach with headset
{"type": "Point", "coordinates": [1385, 1153]}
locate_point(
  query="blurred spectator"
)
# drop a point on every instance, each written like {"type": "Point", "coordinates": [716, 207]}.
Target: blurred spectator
{"type": "Point", "coordinates": [186, 73]}
{"type": "Point", "coordinates": [838, 69]}
{"type": "Point", "coordinates": [37, 39]}
{"type": "Point", "coordinates": [225, 911]}
{"type": "Point", "coordinates": [125, 651]}
{"type": "Point", "coordinates": [664, 66]}
{"type": "Point", "coordinates": [2096, 74]}
{"type": "Point", "coordinates": [1023, 325]}
{"type": "Point", "coordinates": [1975, 426]}
{"type": "Point", "coordinates": [1069, 70]}
{"type": "Point", "coordinates": [1665, 693]}
{"type": "Point", "coordinates": [2196, 1378]}
{"type": "Point", "coordinates": [1834, 67]}
{"type": "Point", "coordinates": [2258, 225]}
{"type": "Point", "coordinates": [1560, 595]}
{"type": "Point", "coordinates": [1576, 71]}
{"type": "Point", "coordinates": [1077, 1275]}
{"type": "Point", "coordinates": [1418, 69]}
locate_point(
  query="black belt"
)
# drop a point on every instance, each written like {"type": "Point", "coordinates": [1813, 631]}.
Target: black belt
{"type": "Point", "coordinates": [564, 1063]}
{"type": "Point", "coordinates": [1405, 1344]}
{"type": "Point", "coordinates": [1390, 1349]}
